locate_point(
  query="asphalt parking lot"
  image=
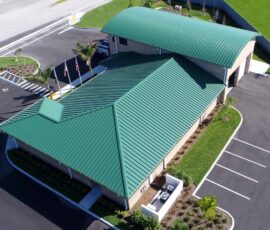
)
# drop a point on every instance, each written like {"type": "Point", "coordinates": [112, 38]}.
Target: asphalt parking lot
{"type": "Point", "coordinates": [240, 179]}
{"type": "Point", "coordinates": [14, 99]}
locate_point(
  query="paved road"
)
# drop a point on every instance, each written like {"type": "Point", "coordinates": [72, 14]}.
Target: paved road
{"type": "Point", "coordinates": [41, 201]}
{"type": "Point", "coordinates": [241, 177]}
{"type": "Point", "coordinates": [17, 17]}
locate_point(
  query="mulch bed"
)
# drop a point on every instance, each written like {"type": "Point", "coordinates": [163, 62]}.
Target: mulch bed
{"type": "Point", "coordinates": [22, 70]}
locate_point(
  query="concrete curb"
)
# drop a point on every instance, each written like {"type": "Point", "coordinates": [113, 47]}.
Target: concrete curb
{"type": "Point", "coordinates": [214, 163]}
{"type": "Point", "coordinates": [36, 62]}
{"type": "Point", "coordinates": [58, 193]}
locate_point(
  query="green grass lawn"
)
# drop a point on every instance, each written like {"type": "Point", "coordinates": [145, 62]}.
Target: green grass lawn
{"type": "Point", "coordinates": [204, 152]}
{"type": "Point", "coordinates": [101, 15]}
{"type": "Point", "coordinates": [11, 61]}
{"type": "Point", "coordinates": [255, 12]}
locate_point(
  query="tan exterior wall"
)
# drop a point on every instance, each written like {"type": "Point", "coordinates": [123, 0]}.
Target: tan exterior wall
{"type": "Point", "coordinates": [249, 48]}
{"type": "Point", "coordinates": [216, 70]}
{"type": "Point", "coordinates": [133, 46]}
{"type": "Point", "coordinates": [136, 196]}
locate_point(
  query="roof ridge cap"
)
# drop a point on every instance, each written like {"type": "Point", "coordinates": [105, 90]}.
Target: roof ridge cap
{"type": "Point", "coordinates": [119, 152]}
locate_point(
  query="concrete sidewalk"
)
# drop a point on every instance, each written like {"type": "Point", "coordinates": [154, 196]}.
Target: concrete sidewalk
{"type": "Point", "coordinates": [17, 17]}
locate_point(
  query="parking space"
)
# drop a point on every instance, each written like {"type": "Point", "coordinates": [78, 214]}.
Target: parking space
{"type": "Point", "coordinates": [240, 178]}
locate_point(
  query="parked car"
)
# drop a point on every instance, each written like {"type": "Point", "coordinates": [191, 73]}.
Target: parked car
{"type": "Point", "coordinates": [103, 47]}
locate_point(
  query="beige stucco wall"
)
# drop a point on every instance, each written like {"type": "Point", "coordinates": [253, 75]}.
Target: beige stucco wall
{"type": "Point", "coordinates": [133, 46]}
{"type": "Point", "coordinates": [137, 195]}
{"type": "Point", "coordinates": [245, 53]}
{"type": "Point", "coordinates": [216, 70]}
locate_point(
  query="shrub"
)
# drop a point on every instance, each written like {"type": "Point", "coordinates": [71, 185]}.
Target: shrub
{"type": "Point", "coordinates": [181, 175]}
{"type": "Point", "coordinates": [186, 219]}
{"type": "Point", "coordinates": [224, 221]}
{"type": "Point", "coordinates": [178, 225]}
{"type": "Point", "coordinates": [138, 218]}
{"type": "Point", "coordinates": [208, 206]}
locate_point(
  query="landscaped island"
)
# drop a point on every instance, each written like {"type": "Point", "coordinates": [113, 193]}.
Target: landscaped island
{"type": "Point", "coordinates": [21, 66]}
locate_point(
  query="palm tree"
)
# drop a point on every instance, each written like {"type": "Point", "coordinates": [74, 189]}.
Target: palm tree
{"type": "Point", "coordinates": [86, 53]}
{"type": "Point", "coordinates": [42, 77]}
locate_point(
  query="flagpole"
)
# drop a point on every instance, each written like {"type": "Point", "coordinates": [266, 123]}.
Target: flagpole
{"type": "Point", "coordinates": [68, 75]}
{"type": "Point", "coordinates": [54, 71]}
{"type": "Point", "coordinates": [77, 66]}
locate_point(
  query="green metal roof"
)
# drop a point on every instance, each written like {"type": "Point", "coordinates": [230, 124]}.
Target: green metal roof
{"type": "Point", "coordinates": [207, 41]}
{"type": "Point", "coordinates": [116, 128]}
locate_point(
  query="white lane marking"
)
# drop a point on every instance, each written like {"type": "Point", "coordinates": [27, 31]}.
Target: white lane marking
{"type": "Point", "coordinates": [37, 89]}
{"type": "Point", "coordinates": [48, 27]}
{"type": "Point", "coordinates": [27, 44]}
{"type": "Point", "coordinates": [41, 90]}
{"type": "Point", "coordinates": [63, 31]}
{"type": "Point", "coordinates": [25, 84]}
{"type": "Point", "coordinates": [29, 86]}
{"type": "Point", "coordinates": [34, 87]}
{"type": "Point", "coordinates": [256, 163]}
{"type": "Point", "coordinates": [237, 173]}
{"type": "Point", "coordinates": [228, 189]}
{"type": "Point", "coordinates": [46, 95]}
{"type": "Point", "coordinates": [254, 146]}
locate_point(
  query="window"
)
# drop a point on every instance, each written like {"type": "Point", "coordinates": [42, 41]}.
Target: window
{"type": "Point", "coordinates": [123, 41]}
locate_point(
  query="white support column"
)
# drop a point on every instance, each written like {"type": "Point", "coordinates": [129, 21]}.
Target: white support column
{"type": "Point", "coordinates": [116, 45]}
{"type": "Point", "coordinates": [70, 173]}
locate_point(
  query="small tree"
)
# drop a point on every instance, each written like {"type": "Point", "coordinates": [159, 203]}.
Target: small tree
{"type": "Point", "coordinates": [208, 205]}
{"type": "Point", "coordinates": [17, 54]}
{"type": "Point", "coordinates": [188, 5]}
{"type": "Point", "coordinates": [130, 4]}
{"type": "Point", "coordinates": [148, 3]}
{"type": "Point", "coordinates": [86, 53]}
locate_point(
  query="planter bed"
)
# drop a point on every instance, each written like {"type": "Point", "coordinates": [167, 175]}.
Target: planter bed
{"type": "Point", "coordinates": [52, 177]}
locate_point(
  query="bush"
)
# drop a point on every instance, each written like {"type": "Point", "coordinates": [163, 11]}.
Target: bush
{"type": "Point", "coordinates": [138, 218]}
{"type": "Point", "coordinates": [181, 175]}
{"type": "Point", "coordinates": [178, 225]}
{"type": "Point", "coordinates": [208, 206]}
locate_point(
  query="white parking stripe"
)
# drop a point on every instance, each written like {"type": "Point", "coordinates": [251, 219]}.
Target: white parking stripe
{"type": "Point", "coordinates": [256, 163]}
{"type": "Point", "coordinates": [228, 189]}
{"type": "Point", "coordinates": [254, 146]}
{"type": "Point", "coordinates": [240, 174]}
